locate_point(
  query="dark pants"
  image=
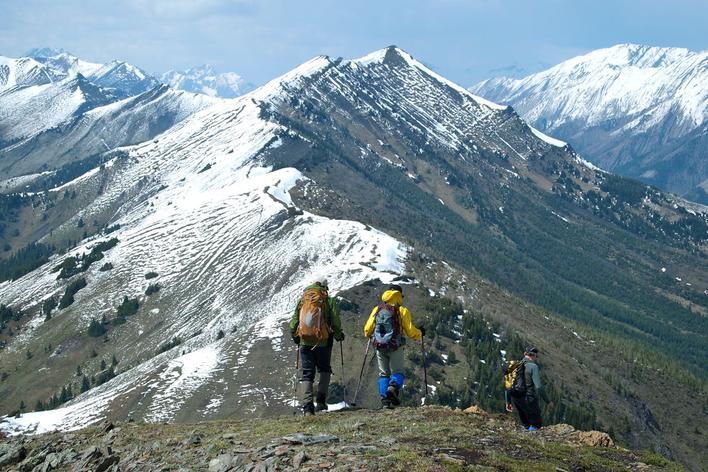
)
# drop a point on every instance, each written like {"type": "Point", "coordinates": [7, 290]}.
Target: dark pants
{"type": "Point", "coordinates": [529, 410]}
{"type": "Point", "coordinates": [313, 361]}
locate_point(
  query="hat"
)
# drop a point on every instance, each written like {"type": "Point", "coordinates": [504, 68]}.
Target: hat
{"type": "Point", "coordinates": [531, 350]}
{"type": "Point", "coordinates": [395, 287]}
{"type": "Point", "coordinates": [324, 283]}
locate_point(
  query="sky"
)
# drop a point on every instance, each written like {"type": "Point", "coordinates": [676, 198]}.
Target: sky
{"type": "Point", "coordinates": [466, 41]}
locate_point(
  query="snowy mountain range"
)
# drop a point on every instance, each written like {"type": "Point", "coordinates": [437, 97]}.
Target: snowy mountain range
{"type": "Point", "coordinates": [638, 110]}
{"type": "Point", "coordinates": [56, 108]}
{"type": "Point", "coordinates": [355, 170]}
{"type": "Point", "coordinates": [205, 80]}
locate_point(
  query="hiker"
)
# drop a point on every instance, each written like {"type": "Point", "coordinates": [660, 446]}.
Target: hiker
{"type": "Point", "coordinates": [314, 326]}
{"type": "Point", "coordinates": [385, 327]}
{"type": "Point", "coordinates": [524, 392]}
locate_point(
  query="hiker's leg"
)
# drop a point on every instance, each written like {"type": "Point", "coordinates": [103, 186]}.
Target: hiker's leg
{"type": "Point", "coordinates": [309, 365]}
{"type": "Point", "coordinates": [323, 357]}
{"type": "Point", "coordinates": [533, 412]}
{"type": "Point", "coordinates": [382, 357]}
{"type": "Point", "coordinates": [520, 406]}
{"type": "Point", "coordinates": [396, 364]}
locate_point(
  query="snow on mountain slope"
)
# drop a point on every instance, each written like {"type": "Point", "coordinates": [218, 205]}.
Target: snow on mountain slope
{"type": "Point", "coordinates": [205, 80]}
{"type": "Point", "coordinates": [638, 110]}
{"type": "Point", "coordinates": [613, 83]}
{"type": "Point", "coordinates": [30, 110]}
{"type": "Point", "coordinates": [22, 72]}
{"type": "Point", "coordinates": [123, 79]}
{"type": "Point", "coordinates": [232, 253]}
{"type": "Point", "coordinates": [116, 124]}
{"type": "Point", "coordinates": [61, 63]}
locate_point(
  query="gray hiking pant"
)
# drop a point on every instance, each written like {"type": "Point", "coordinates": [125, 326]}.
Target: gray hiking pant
{"type": "Point", "coordinates": [390, 362]}
{"type": "Point", "coordinates": [315, 360]}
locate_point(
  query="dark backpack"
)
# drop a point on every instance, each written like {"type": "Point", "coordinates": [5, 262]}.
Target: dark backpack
{"type": "Point", "coordinates": [514, 378]}
{"type": "Point", "coordinates": [387, 332]}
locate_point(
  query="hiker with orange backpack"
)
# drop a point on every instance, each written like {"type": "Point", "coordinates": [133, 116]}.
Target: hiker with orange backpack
{"type": "Point", "coordinates": [385, 326]}
{"type": "Point", "coordinates": [314, 326]}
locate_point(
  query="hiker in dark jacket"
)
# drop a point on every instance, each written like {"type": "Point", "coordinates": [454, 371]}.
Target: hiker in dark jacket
{"type": "Point", "coordinates": [390, 354]}
{"type": "Point", "coordinates": [527, 405]}
{"type": "Point", "coordinates": [316, 352]}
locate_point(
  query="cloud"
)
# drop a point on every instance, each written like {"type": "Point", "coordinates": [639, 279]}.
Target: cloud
{"type": "Point", "coordinates": [190, 9]}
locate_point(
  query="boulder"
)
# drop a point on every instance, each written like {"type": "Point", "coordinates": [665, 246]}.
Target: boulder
{"type": "Point", "coordinates": [594, 439]}
{"type": "Point", "coordinates": [474, 409]}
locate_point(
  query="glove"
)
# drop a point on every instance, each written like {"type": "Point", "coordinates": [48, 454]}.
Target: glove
{"type": "Point", "coordinates": [422, 332]}
{"type": "Point", "coordinates": [296, 339]}
{"type": "Point", "coordinates": [339, 337]}
{"type": "Point", "coordinates": [509, 408]}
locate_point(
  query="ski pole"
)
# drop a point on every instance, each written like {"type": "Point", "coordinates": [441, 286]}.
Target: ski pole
{"type": "Point", "coordinates": [425, 367]}
{"type": "Point", "coordinates": [297, 370]}
{"type": "Point", "coordinates": [361, 374]}
{"type": "Point", "coordinates": [344, 384]}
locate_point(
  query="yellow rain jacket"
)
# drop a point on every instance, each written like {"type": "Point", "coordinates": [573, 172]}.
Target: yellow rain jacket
{"type": "Point", "coordinates": [394, 297]}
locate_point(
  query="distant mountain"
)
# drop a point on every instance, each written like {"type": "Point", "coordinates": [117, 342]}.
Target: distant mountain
{"type": "Point", "coordinates": [182, 257]}
{"type": "Point", "coordinates": [637, 110]}
{"type": "Point", "coordinates": [56, 108]}
{"type": "Point", "coordinates": [120, 78]}
{"type": "Point", "coordinates": [205, 80]}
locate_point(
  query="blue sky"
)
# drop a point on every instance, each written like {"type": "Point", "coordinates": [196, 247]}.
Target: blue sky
{"type": "Point", "coordinates": [466, 41]}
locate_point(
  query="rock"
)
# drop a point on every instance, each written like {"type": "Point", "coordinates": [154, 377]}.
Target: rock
{"type": "Point", "coordinates": [192, 440]}
{"type": "Point", "coordinates": [222, 463]}
{"type": "Point", "coordinates": [299, 459]}
{"type": "Point", "coordinates": [561, 429]}
{"type": "Point", "coordinates": [594, 439]}
{"type": "Point", "coordinates": [281, 450]}
{"type": "Point", "coordinates": [474, 409]}
{"type": "Point", "coordinates": [452, 460]}
{"type": "Point", "coordinates": [229, 436]}
{"type": "Point", "coordinates": [106, 426]}
{"type": "Point", "coordinates": [12, 453]}
{"type": "Point", "coordinates": [105, 462]}
{"type": "Point", "coordinates": [307, 439]}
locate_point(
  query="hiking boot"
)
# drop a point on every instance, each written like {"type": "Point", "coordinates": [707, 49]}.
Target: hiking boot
{"type": "Point", "coordinates": [308, 409]}
{"type": "Point", "coordinates": [392, 395]}
{"type": "Point", "coordinates": [386, 403]}
{"type": "Point", "coordinates": [320, 406]}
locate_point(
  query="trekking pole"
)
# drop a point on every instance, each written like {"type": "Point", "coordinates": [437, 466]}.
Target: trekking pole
{"type": "Point", "coordinates": [425, 367]}
{"type": "Point", "coordinates": [297, 370]}
{"type": "Point", "coordinates": [361, 374]}
{"type": "Point", "coordinates": [344, 385]}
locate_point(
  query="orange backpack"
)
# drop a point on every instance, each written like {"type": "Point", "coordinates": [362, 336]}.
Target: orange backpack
{"type": "Point", "coordinates": [312, 327]}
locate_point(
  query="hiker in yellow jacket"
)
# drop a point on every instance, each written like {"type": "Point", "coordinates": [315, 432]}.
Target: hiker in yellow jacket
{"type": "Point", "coordinates": [386, 325]}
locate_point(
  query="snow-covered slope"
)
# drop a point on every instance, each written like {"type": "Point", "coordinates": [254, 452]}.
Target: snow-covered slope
{"type": "Point", "coordinates": [56, 108]}
{"type": "Point", "coordinates": [27, 111]}
{"type": "Point", "coordinates": [205, 80]}
{"type": "Point", "coordinates": [626, 108]}
{"type": "Point", "coordinates": [232, 253]}
{"type": "Point", "coordinates": [74, 134]}
{"type": "Point", "coordinates": [22, 72]}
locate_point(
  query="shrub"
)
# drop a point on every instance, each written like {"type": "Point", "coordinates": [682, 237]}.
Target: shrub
{"type": "Point", "coordinates": [96, 329]}
{"type": "Point", "coordinates": [174, 342]}
{"type": "Point", "coordinates": [68, 297]}
{"type": "Point", "coordinates": [152, 288]}
{"type": "Point", "coordinates": [128, 307]}
{"type": "Point", "coordinates": [151, 275]}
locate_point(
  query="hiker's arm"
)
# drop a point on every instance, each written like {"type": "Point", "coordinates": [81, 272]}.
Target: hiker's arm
{"type": "Point", "coordinates": [407, 324]}
{"type": "Point", "coordinates": [370, 323]}
{"type": "Point", "coordinates": [295, 319]}
{"type": "Point", "coordinates": [335, 319]}
{"type": "Point", "coordinates": [538, 385]}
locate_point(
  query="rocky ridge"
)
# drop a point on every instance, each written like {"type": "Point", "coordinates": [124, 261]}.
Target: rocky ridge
{"type": "Point", "coordinates": [427, 438]}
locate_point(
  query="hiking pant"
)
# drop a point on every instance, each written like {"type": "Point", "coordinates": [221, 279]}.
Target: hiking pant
{"type": "Point", "coordinates": [390, 369]}
{"type": "Point", "coordinates": [315, 360]}
{"type": "Point", "coordinates": [529, 410]}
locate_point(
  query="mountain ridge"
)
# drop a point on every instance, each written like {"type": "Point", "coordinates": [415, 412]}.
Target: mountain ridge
{"type": "Point", "coordinates": [626, 108]}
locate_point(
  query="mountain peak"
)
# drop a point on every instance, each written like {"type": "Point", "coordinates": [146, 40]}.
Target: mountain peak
{"type": "Point", "coordinates": [46, 52]}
